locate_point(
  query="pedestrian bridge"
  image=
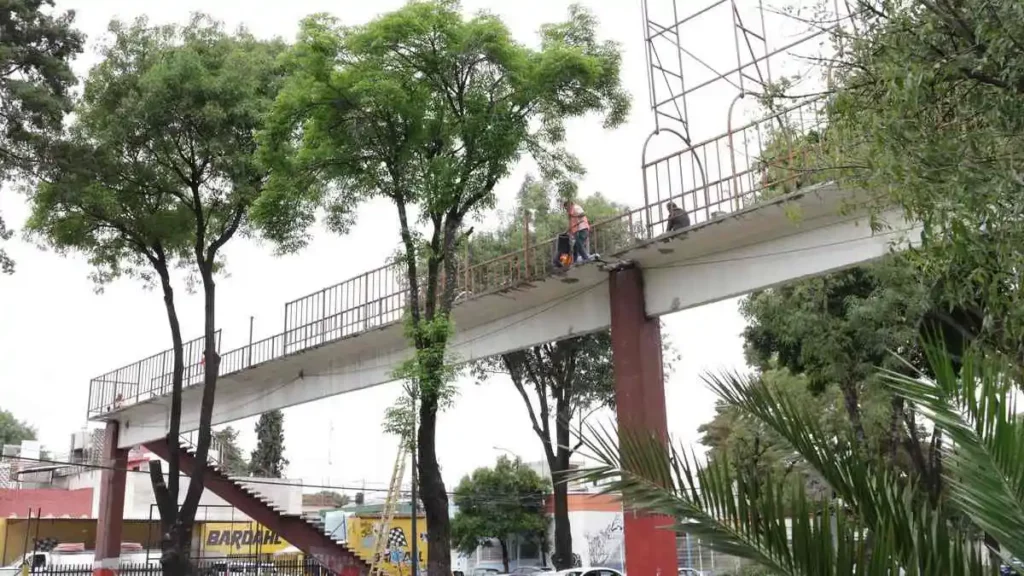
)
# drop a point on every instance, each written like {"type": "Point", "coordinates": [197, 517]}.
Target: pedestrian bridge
{"type": "Point", "coordinates": [350, 336]}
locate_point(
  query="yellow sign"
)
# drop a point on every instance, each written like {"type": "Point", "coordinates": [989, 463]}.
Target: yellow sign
{"type": "Point", "coordinates": [240, 539]}
{"type": "Point", "coordinates": [397, 558]}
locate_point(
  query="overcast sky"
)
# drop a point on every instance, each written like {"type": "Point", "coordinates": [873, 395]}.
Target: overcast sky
{"type": "Point", "coordinates": [57, 332]}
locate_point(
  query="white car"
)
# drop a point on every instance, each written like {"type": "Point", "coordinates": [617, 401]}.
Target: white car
{"type": "Point", "coordinates": [589, 572]}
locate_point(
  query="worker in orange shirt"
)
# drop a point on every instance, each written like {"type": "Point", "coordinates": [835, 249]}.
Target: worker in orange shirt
{"type": "Point", "coordinates": [579, 231]}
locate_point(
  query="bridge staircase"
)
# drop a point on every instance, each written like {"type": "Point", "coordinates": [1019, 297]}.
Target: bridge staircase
{"type": "Point", "coordinates": [307, 535]}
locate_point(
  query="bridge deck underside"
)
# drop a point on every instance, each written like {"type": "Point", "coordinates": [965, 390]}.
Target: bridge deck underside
{"type": "Point", "coordinates": [800, 235]}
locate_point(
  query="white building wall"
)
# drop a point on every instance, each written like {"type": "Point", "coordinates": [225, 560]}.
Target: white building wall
{"type": "Point", "coordinates": [139, 498]}
{"type": "Point", "coordinates": [597, 538]}
{"type": "Point", "coordinates": [138, 495]}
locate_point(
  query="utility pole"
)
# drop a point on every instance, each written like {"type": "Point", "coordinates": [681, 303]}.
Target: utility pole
{"type": "Point", "coordinates": [415, 514]}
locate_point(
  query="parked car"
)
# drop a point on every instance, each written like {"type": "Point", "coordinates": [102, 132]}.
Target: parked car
{"type": "Point", "coordinates": [79, 561]}
{"type": "Point", "coordinates": [589, 572]}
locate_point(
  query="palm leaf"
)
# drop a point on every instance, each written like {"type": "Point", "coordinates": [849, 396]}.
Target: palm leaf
{"type": "Point", "coordinates": [876, 524]}
{"type": "Point", "coordinates": [746, 517]}
{"type": "Point", "coordinates": [922, 538]}
{"type": "Point", "coordinates": [984, 467]}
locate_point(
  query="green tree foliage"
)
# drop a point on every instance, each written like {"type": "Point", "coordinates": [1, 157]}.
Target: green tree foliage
{"type": "Point", "coordinates": [229, 456]}
{"type": "Point", "coordinates": [498, 504]}
{"type": "Point", "coordinates": [834, 330]}
{"type": "Point", "coordinates": [267, 460]}
{"type": "Point", "coordinates": [158, 171]}
{"type": "Point", "coordinates": [929, 108]}
{"type": "Point", "coordinates": [36, 49]}
{"type": "Point", "coordinates": [12, 430]}
{"type": "Point", "coordinates": [742, 442]}
{"type": "Point", "coordinates": [328, 498]}
{"type": "Point", "coordinates": [429, 109]}
{"type": "Point", "coordinates": [876, 523]}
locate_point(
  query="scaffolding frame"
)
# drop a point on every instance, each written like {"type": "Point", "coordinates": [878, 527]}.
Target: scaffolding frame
{"type": "Point", "coordinates": [669, 60]}
{"type": "Point", "coordinates": [711, 174]}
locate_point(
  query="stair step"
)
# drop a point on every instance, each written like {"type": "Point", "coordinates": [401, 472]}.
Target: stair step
{"type": "Point", "coordinates": [313, 521]}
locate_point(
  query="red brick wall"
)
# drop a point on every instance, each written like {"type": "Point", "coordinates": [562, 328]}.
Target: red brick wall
{"type": "Point", "coordinates": [54, 503]}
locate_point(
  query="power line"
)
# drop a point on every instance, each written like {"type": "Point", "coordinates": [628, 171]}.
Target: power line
{"type": "Point", "coordinates": [496, 497]}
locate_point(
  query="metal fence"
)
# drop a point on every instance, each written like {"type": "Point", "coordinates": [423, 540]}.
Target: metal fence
{"type": "Point", "coordinates": [753, 162]}
{"type": "Point", "coordinates": [692, 553]}
{"type": "Point", "coordinates": [204, 567]}
{"type": "Point", "coordinates": [147, 378]}
{"type": "Point", "coordinates": [737, 169]}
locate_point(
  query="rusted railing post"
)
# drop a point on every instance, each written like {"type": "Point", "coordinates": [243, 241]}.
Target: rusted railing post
{"type": "Point", "coordinates": [323, 316]}
{"type": "Point", "coordinates": [367, 309]}
{"type": "Point", "coordinates": [734, 202]}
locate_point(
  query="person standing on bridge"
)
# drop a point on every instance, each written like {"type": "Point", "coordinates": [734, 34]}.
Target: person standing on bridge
{"type": "Point", "coordinates": [579, 231]}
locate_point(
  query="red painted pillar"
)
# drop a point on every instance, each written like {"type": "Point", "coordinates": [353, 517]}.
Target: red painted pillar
{"type": "Point", "coordinates": [111, 512]}
{"type": "Point", "coordinates": [640, 403]}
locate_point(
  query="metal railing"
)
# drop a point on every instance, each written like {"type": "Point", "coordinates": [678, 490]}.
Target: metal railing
{"type": "Point", "coordinates": [148, 378]}
{"type": "Point", "coordinates": [765, 158]}
{"type": "Point", "coordinates": [202, 567]}
{"type": "Point", "coordinates": [762, 159]}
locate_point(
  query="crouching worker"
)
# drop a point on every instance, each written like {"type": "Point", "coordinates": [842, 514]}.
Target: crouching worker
{"type": "Point", "coordinates": [678, 219]}
{"type": "Point", "coordinates": [579, 231]}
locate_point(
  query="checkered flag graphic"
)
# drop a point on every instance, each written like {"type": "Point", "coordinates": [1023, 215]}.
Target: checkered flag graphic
{"type": "Point", "coordinates": [396, 538]}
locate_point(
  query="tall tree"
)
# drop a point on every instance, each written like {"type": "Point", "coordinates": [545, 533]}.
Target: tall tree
{"type": "Point", "coordinates": [561, 382]}
{"type": "Point", "coordinates": [938, 87]}
{"type": "Point", "coordinates": [835, 330]}
{"type": "Point", "coordinates": [267, 460]}
{"type": "Point", "coordinates": [229, 455]}
{"type": "Point", "coordinates": [747, 444]}
{"type": "Point", "coordinates": [12, 430]}
{"type": "Point", "coordinates": [430, 110]}
{"type": "Point", "coordinates": [36, 49]}
{"type": "Point", "coordinates": [501, 503]}
{"type": "Point", "coordinates": [158, 171]}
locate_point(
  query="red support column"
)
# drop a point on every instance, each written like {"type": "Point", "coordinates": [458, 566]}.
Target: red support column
{"type": "Point", "coordinates": [111, 512]}
{"type": "Point", "coordinates": [640, 404]}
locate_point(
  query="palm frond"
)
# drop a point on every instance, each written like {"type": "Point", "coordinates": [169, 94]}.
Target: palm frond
{"type": "Point", "coordinates": [984, 466]}
{"type": "Point", "coordinates": [877, 523]}
{"type": "Point", "coordinates": [759, 519]}
{"type": "Point", "coordinates": [883, 502]}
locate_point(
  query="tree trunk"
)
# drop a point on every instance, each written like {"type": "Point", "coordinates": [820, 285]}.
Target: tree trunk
{"type": "Point", "coordinates": [177, 557]}
{"type": "Point", "coordinates": [432, 492]}
{"type": "Point", "coordinates": [166, 492]}
{"type": "Point", "coordinates": [562, 558]}
{"type": "Point", "coordinates": [895, 418]}
{"type": "Point", "coordinates": [504, 554]}
{"type": "Point", "coordinates": [559, 468]}
{"type": "Point", "coordinates": [431, 345]}
{"type": "Point", "coordinates": [210, 372]}
{"type": "Point", "coordinates": [852, 403]}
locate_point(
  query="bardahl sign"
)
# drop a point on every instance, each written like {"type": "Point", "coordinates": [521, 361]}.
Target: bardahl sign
{"type": "Point", "coordinates": [237, 539]}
